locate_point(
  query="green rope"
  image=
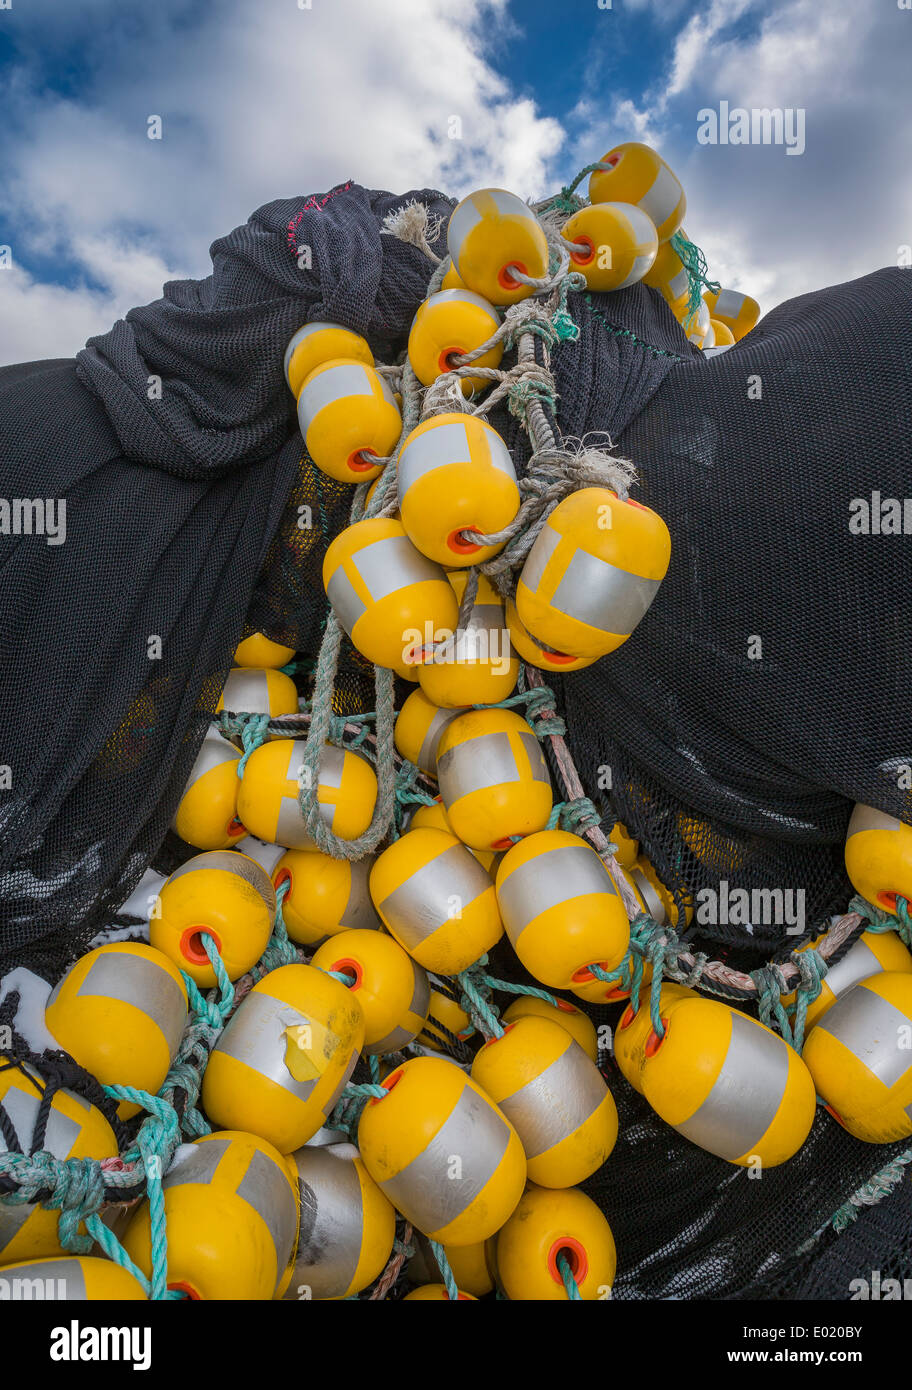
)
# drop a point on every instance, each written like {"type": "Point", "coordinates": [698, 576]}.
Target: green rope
{"type": "Point", "coordinates": [475, 999]}
{"type": "Point", "coordinates": [879, 920]}
{"type": "Point", "coordinates": [159, 1136]}
{"type": "Point", "coordinates": [446, 1273]}
{"type": "Point", "coordinates": [695, 265]}
{"type": "Point", "coordinates": [537, 700]}
{"type": "Point", "coordinates": [872, 1192]}
{"type": "Point", "coordinates": [570, 1284]}
{"type": "Point", "coordinates": [524, 390]}
{"type": "Point", "coordinates": [508, 987]}
{"type": "Point", "coordinates": [629, 334]}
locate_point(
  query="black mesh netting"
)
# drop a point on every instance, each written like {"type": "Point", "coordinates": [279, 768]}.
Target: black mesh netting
{"type": "Point", "coordinates": [172, 440]}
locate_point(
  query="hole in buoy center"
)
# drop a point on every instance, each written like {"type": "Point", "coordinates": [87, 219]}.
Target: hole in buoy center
{"type": "Point", "coordinates": [180, 1286]}
{"type": "Point", "coordinates": [444, 360]}
{"type": "Point", "coordinates": [362, 460]}
{"type": "Point", "coordinates": [583, 257]}
{"type": "Point", "coordinates": [576, 1257]}
{"type": "Point", "coordinates": [191, 944]}
{"type": "Point", "coordinates": [348, 967]}
{"type": "Point", "coordinates": [460, 546]}
{"type": "Point", "coordinates": [506, 280]}
{"type": "Point", "coordinates": [654, 1042]}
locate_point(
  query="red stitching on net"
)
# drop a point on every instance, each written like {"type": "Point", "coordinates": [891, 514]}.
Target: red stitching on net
{"type": "Point", "coordinates": [313, 204]}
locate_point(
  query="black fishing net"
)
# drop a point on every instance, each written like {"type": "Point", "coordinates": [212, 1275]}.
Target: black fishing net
{"type": "Point", "coordinates": [760, 697]}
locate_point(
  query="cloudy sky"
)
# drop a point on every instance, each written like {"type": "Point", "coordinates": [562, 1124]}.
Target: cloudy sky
{"type": "Point", "coordinates": [261, 99]}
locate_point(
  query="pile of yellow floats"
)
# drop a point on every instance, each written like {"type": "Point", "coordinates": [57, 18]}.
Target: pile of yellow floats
{"type": "Point", "coordinates": [485, 1160]}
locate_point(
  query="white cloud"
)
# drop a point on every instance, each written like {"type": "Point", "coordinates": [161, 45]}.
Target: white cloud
{"type": "Point", "coordinates": [258, 101]}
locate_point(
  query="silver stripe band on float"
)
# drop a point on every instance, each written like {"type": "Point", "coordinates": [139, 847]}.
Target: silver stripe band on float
{"type": "Point", "coordinates": [359, 913]}
{"type": "Point", "coordinates": [331, 1224]}
{"type": "Point", "coordinates": [144, 985]}
{"type": "Point", "coordinates": [546, 542]}
{"type": "Point", "coordinates": [662, 197]}
{"type": "Point", "coordinates": [268, 1191]}
{"type": "Point", "coordinates": [421, 905]}
{"type": "Point", "coordinates": [231, 861]}
{"type": "Point", "coordinates": [651, 900]}
{"type": "Point", "coordinates": [246, 691]}
{"type": "Point", "coordinates": [215, 750]}
{"type": "Point", "coordinates": [391, 564]}
{"type": "Point", "coordinates": [555, 1103]}
{"type": "Point", "coordinates": [423, 1192]}
{"type": "Point", "coordinates": [537, 765]}
{"type": "Point", "coordinates": [745, 1096]}
{"type": "Point", "coordinates": [870, 1027]}
{"type": "Point", "coordinates": [348, 379]}
{"type": "Point", "coordinates": [594, 592]}
{"type": "Point", "coordinates": [728, 305]}
{"type": "Point", "coordinates": [195, 1163]}
{"type": "Point", "coordinates": [869, 818]}
{"type": "Point", "coordinates": [346, 602]}
{"type": "Point", "coordinates": [427, 753]}
{"type": "Point", "coordinates": [255, 1036]}
{"type": "Point", "coordinates": [857, 964]}
{"type": "Point", "coordinates": [475, 765]}
{"type": "Point", "coordinates": [555, 877]}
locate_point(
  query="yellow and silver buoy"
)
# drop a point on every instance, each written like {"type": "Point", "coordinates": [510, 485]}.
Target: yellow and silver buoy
{"type": "Point", "coordinates": [554, 1097]}
{"type": "Point", "coordinates": [860, 1056]}
{"type": "Point", "coordinates": [274, 777]}
{"type": "Point", "coordinates": [546, 1225]}
{"type": "Point", "coordinates": [317, 343]}
{"type": "Point", "coordinates": [231, 1213]}
{"type": "Point", "coordinates": [392, 989]}
{"type": "Point", "coordinates": [616, 244]}
{"type": "Point", "coordinates": [222, 894]}
{"type": "Point", "coordinates": [638, 175]}
{"type": "Point", "coordinates": [442, 1152]}
{"type": "Point", "coordinates": [390, 598]}
{"type": "Point", "coordinates": [347, 1225]}
{"type": "Point", "coordinates": [560, 908]}
{"type": "Point", "coordinates": [120, 1011]}
{"type": "Point", "coordinates": [592, 573]}
{"type": "Point", "coordinates": [878, 856]}
{"type": "Point", "coordinates": [493, 778]}
{"type": "Point", "coordinates": [325, 895]}
{"type": "Point", "coordinates": [450, 324]}
{"type": "Point", "coordinates": [491, 233]}
{"type": "Point", "coordinates": [738, 312]}
{"type": "Point", "coordinates": [251, 691]}
{"type": "Point", "coordinates": [436, 900]}
{"type": "Point", "coordinates": [206, 815]}
{"type": "Point", "coordinates": [456, 478]}
{"type": "Point", "coordinates": [285, 1057]}
{"type": "Point", "coordinates": [349, 419]}
{"type": "Point", "coordinates": [729, 1084]}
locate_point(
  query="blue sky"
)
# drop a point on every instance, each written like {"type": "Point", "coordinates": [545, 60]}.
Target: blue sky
{"type": "Point", "coordinates": [263, 99]}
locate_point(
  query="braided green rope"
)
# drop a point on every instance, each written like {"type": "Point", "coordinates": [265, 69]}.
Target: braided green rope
{"type": "Point", "coordinates": [508, 987]}
{"type": "Point", "coordinates": [570, 1284]}
{"type": "Point", "coordinates": [695, 265]}
{"type": "Point", "coordinates": [446, 1273]}
{"type": "Point", "coordinates": [873, 1191]}
{"type": "Point", "coordinates": [475, 999]}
